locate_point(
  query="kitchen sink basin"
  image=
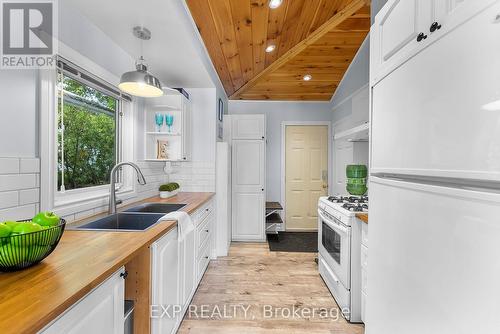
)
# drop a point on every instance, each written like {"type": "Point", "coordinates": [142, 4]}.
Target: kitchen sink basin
{"type": "Point", "coordinates": [123, 222]}
{"type": "Point", "coordinates": [163, 208]}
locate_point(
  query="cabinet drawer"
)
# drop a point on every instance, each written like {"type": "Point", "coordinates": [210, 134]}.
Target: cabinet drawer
{"type": "Point", "coordinates": [364, 234]}
{"type": "Point", "coordinates": [203, 231]}
{"type": "Point", "coordinates": [203, 212]}
{"type": "Point", "coordinates": [203, 260]}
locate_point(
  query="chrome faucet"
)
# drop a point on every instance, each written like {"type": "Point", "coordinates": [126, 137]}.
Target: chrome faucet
{"type": "Point", "coordinates": [112, 177]}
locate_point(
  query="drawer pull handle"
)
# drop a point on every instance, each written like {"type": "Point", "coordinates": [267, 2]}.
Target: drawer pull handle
{"type": "Point", "coordinates": [206, 257]}
{"type": "Point", "coordinates": [207, 231]}
{"type": "Point", "coordinates": [435, 26]}
{"type": "Point", "coordinates": [124, 274]}
{"type": "Point", "coordinates": [206, 209]}
{"type": "Point", "coordinates": [421, 37]}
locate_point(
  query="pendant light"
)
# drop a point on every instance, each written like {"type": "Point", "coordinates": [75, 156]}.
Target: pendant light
{"type": "Point", "coordinates": [140, 82]}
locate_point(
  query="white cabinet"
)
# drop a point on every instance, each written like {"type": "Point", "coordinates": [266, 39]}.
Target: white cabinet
{"type": "Point", "coordinates": [100, 311]}
{"type": "Point", "coordinates": [419, 112]}
{"type": "Point", "coordinates": [204, 238]}
{"type": "Point", "coordinates": [164, 143]}
{"type": "Point", "coordinates": [364, 267]}
{"type": "Point", "coordinates": [394, 36]}
{"type": "Point", "coordinates": [248, 179]}
{"type": "Point", "coordinates": [248, 126]}
{"type": "Point", "coordinates": [165, 282]}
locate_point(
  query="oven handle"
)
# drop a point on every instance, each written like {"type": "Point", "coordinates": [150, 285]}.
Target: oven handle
{"type": "Point", "coordinates": [334, 277]}
{"type": "Point", "coordinates": [332, 222]}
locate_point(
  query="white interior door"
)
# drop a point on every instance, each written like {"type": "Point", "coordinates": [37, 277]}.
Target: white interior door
{"type": "Point", "coordinates": [248, 175]}
{"type": "Point", "coordinates": [306, 174]}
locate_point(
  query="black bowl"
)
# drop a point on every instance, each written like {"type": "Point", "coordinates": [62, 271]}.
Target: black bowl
{"type": "Point", "coordinates": [25, 250]}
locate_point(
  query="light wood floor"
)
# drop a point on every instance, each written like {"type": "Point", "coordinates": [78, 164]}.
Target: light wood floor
{"type": "Point", "coordinates": [253, 277]}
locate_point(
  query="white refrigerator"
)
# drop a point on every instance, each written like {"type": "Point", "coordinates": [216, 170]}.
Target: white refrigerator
{"type": "Point", "coordinates": [434, 243]}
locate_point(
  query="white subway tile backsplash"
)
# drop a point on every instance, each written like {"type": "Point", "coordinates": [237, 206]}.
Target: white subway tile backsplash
{"type": "Point", "coordinates": [9, 199]}
{"type": "Point", "coordinates": [29, 165]}
{"type": "Point", "coordinates": [17, 181]}
{"type": "Point", "coordinates": [18, 212]}
{"type": "Point", "coordinates": [29, 196]}
{"type": "Point", "coordinates": [9, 165]}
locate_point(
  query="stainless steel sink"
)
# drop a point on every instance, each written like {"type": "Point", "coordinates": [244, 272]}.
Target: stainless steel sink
{"type": "Point", "coordinates": [163, 208]}
{"type": "Point", "coordinates": [122, 222]}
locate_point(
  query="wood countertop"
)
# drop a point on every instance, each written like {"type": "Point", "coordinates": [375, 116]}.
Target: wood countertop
{"type": "Point", "coordinates": [363, 217]}
{"type": "Point", "coordinates": [32, 298]}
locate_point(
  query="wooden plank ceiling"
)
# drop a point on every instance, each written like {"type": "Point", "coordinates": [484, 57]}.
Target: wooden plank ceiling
{"type": "Point", "coordinates": [315, 37]}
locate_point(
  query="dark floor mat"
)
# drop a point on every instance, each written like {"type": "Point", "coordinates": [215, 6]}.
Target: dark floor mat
{"type": "Point", "coordinates": [306, 242]}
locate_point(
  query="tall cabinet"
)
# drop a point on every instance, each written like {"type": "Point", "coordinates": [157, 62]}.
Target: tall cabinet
{"type": "Point", "coordinates": [247, 136]}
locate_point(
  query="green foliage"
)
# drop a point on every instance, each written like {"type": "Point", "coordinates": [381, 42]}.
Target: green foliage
{"type": "Point", "coordinates": [89, 137]}
{"type": "Point", "coordinates": [169, 186]}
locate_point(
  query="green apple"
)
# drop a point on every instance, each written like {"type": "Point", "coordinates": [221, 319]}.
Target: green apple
{"type": "Point", "coordinates": [11, 223]}
{"type": "Point", "coordinates": [12, 255]}
{"type": "Point", "coordinates": [5, 230]}
{"type": "Point", "coordinates": [36, 251]}
{"type": "Point", "coordinates": [46, 219]}
{"type": "Point", "coordinates": [18, 236]}
{"type": "Point", "coordinates": [48, 236]}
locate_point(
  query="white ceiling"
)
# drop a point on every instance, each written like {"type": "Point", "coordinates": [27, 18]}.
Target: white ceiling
{"type": "Point", "coordinates": [172, 53]}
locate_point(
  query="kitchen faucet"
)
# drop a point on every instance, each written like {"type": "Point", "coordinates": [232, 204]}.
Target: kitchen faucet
{"type": "Point", "coordinates": [112, 195]}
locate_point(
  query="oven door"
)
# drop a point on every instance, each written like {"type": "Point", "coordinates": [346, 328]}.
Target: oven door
{"type": "Point", "coordinates": [335, 246]}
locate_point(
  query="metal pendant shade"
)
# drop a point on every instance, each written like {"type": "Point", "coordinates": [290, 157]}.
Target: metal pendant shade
{"type": "Point", "coordinates": [140, 82]}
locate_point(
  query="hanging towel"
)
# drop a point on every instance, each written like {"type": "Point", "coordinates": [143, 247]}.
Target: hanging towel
{"type": "Point", "coordinates": [185, 224]}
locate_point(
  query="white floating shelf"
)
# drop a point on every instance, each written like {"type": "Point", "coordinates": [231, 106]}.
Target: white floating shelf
{"type": "Point", "coordinates": [358, 133]}
{"type": "Point", "coordinates": [164, 108]}
{"type": "Point", "coordinates": [152, 133]}
{"type": "Point", "coordinates": [162, 160]}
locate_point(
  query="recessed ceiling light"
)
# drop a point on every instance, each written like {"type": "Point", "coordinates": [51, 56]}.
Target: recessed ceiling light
{"type": "Point", "coordinates": [307, 77]}
{"type": "Point", "coordinates": [270, 48]}
{"type": "Point", "coordinates": [275, 3]}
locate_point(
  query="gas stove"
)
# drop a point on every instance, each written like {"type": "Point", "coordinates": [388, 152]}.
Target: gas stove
{"type": "Point", "coordinates": [349, 199]}
{"type": "Point", "coordinates": [346, 206]}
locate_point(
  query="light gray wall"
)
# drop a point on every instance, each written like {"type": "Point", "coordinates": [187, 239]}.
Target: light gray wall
{"type": "Point", "coordinates": [376, 5]}
{"type": "Point", "coordinates": [276, 113]}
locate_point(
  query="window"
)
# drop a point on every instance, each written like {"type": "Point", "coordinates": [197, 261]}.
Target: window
{"type": "Point", "coordinates": [88, 136]}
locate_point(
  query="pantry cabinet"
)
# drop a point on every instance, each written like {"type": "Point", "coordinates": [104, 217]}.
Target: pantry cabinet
{"type": "Point", "coordinates": [100, 311]}
{"type": "Point", "coordinates": [403, 28]}
{"type": "Point", "coordinates": [248, 155]}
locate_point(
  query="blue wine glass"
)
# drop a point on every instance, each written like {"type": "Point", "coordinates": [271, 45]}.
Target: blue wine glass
{"type": "Point", "coordinates": [159, 120]}
{"type": "Point", "coordinates": [169, 120]}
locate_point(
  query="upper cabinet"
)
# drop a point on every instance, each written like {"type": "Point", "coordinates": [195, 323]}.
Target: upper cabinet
{"type": "Point", "coordinates": [403, 28]}
{"type": "Point", "coordinates": [248, 127]}
{"type": "Point", "coordinates": [167, 128]}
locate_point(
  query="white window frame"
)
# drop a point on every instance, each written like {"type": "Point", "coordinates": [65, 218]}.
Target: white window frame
{"type": "Point", "coordinates": [82, 199]}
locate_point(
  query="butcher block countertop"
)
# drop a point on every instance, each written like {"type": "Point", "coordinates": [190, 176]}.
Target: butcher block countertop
{"type": "Point", "coordinates": [32, 298]}
{"type": "Point", "coordinates": [363, 217]}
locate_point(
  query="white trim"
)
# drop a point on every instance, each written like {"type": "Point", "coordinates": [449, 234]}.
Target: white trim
{"type": "Point", "coordinates": [47, 101]}
{"type": "Point", "coordinates": [349, 97]}
{"type": "Point", "coordinates": [284, 124]}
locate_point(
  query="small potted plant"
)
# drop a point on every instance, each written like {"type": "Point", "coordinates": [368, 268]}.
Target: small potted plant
{"type": "Point", "coordinates": [169, 189]}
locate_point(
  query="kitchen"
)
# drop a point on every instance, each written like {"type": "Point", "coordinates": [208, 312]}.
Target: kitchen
{"type": "Point", "coordinates": [216, 166]}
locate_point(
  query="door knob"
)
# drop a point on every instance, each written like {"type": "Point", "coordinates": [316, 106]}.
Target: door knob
{"type": "Point", "coordinates": [435, 26]}
{"type": "Point", "coordinates": [421, 37]}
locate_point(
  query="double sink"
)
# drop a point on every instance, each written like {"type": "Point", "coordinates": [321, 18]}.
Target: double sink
{"type": "Point", "coordinates": [138, 218]}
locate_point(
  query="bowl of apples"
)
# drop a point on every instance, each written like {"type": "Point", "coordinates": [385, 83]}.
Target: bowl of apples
{"type": "Point", "coordinates": [25, 243]}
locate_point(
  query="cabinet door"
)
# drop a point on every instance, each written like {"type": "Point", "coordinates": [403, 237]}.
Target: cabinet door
{"type": "Point", "coordinates": [248, 165]}
{"type": "Point", "coordinates": [248, 216]}
{"type": "Point", "coordinates": [248, 127]}
{"type": "Point", "coordinates": [165, 283]}
{"type": "Point", "coordinates": [101, 311]}
{"type": "Point", "coordinates": [394, 34]}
